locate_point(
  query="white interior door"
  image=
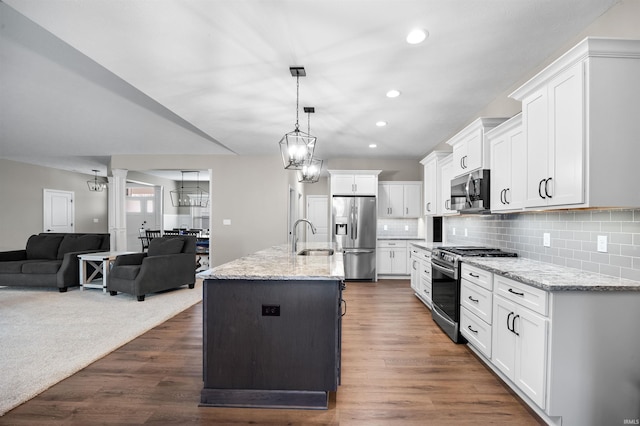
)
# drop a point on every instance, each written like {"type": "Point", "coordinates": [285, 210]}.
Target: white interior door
{"type": "Point", "coordinates": [318, 214]}
{"type": "Point", "coordinates": [59, 211]}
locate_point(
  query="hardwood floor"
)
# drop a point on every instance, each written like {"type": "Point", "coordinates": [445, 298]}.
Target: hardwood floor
{"type": "Point", "coordinates": [398, 369]}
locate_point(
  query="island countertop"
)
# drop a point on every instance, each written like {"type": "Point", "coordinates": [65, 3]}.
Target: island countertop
{"type": "Point", "coordinates": [279, 263]}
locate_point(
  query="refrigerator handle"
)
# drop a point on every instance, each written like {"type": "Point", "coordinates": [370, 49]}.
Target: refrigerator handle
{"type": "Point", "coordinates": [355, 222]}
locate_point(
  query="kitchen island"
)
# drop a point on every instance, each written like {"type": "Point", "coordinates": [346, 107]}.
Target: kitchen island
{"type": "Point", "coordinates": [272, 330]}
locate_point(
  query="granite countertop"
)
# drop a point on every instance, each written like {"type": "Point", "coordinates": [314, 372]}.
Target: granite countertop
{"type": "Point", "coordinates": [278, 263]}
{"type": "Point", "coordinates": [550, 277]}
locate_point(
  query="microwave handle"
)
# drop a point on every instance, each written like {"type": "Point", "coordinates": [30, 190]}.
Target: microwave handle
{"type": "Point", "coordinates": [466, 190]}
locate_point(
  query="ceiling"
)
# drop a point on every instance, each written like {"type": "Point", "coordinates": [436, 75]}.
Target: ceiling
{"type": "Point", "coordinates": [83, 80]}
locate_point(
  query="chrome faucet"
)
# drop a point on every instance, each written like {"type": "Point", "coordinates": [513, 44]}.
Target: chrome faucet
{"type": "Point", "coordinates": [294, 236]}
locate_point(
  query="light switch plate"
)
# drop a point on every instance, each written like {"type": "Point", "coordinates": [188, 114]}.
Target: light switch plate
{"type": "Point", "coordinates": [226, 221]}
{"type": "Point", "coordinates": [546, 239]}
{"type": "Point", "coordinates": [453, 231]}
{"type": "Point", "coordinates": [466, 233]}
{"type": "Point", "coordinates": [384, 227]}
{"type": "Point", "coordinates": [406, 227]}
{"type": "Point", "coordinates": [602, 243]}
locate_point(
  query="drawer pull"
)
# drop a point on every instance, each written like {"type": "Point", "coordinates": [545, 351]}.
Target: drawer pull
{"type": "Point", "coordinates": [474, 275]}
{"type": "Point", "coordinates": [473, 300]}
{"type": "Point", "coordinates": [472, 330]}
{"type": "Point", "coordinates": [515, 292]}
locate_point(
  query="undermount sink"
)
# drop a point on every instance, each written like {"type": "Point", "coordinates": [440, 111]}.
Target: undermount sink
{"type": "Point", "coordinates": [316, 252]}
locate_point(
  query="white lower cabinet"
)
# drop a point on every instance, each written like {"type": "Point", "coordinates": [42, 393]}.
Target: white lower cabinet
{"type": "Point", "coordinates": [520, 347]}
{"type": "Point", "coordinates": [392, 257]}
{"type": "Point", "coordinates": [421, 274]}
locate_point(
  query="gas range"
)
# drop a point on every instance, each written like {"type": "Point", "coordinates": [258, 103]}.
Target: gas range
{"type": "Point", "coordinates": [445, 284]}
{"type": "Point", "coordinates": [451, 255]}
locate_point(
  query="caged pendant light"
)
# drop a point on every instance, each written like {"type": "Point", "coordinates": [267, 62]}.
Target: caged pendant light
{"type": "Point", "coordinates": [94, 185]}
{"type": "Point", "coordinates": [297, 147]}
{"type": "Point", "coordinates": [311, 168]}
{"type": "Point", "coordinates": [189, 196]}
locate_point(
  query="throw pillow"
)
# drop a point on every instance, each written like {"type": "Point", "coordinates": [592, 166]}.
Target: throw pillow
{"type": "Point", "coordinates": [43, 246]}
{"type": "Point", "coordinates": [79, 242]}
{"type": "Point", "coordinates": [161, 246]}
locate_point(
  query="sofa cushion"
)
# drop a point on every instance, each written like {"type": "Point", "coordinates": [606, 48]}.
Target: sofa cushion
{"type": "Point", "coordinates": [126, 272]}
{"type": "Point", "coordinates": [46, 267]}
{"type": "Point", "coordinates": [13, 266]}
{"type": "Point", "coordinates": [79, 242]}
{"type": "Point", "coordinates": [43, 246]}
{"type": "Point", "coordinates": [162, 246]}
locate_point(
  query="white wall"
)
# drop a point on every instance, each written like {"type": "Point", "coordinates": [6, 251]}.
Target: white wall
{"type": "Point", "coordinates": [21, 201]}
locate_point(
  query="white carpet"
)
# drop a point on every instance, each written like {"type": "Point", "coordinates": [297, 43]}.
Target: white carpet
{"type": "Point", "coordinates": [46, 336]}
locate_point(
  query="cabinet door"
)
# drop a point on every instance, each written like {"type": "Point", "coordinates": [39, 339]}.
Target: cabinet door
{"type": "Point", "coordinates": [475, 144]}
{"type": "Point", "coordinates": [500, 172]}
{"type": "Point", "coordinates": [566, 95]}
{"type": "Point", "coordinates": [531, 354]}
{"type": "Point", "coordinates": [385, 260]}
{"type": "Point", "coordinates": [415, 271]}
{"type": "Point", "coordinates": [365, 184]}
{"type": "Point", "coordinates": [412, 200]}
{"type": "Point", "coordinates": [383, 201]}
{"type": "Point", "coordinates": [535, 116]}
{"type": "Point", "coordinates": [396, 200]}
{"type": "Point", "coordinates": [504, 340]}
{"type": "Point", "coordinates": [342, 184]}
{"type": "Point", "coordinates": [517, 188]}
{"type": "Point", "coordinates": [459, 157]}
{"type": "Point", "coordinates": [446, 172]}
{"type": "Point", "coordinates": [399, 261]}
{"type": "Point", "coordinates": [430, 188]}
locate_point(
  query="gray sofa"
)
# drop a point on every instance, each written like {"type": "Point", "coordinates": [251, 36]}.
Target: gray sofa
{"type": "Point", "coordinates": [169, 262]}
{"type": "Point", "coordinates": [49, 260]}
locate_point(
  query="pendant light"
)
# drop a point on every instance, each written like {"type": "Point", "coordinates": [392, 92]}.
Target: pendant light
{"type": "Point", "coordinates": [297, 147]}
{"type": "Point", "coordinates": [189, 196]}
{"type": "Point", "coordinates": [94, 185]}
{"type": "Point", "coordinates": [311, 168]}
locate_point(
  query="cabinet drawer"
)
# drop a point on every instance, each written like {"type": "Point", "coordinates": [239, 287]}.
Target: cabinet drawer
{"type": "Point", "coordinates": [476, 331]}
{"type": "Point", "coordinates": [522, 294]}
{"type": "Point", "coordinates": [425, 270]}
{"type": "Point", "coordinates": [425, 255]}
{"type": "Point", "coordinates": [477, 276]}
{"type": "Point", "coordinates": [477, 299]}
{"type": "Point", "coordinates": [392, 243]}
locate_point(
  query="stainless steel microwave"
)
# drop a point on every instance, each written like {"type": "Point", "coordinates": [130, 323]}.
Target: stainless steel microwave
{"type": "Point", "coordinates": [470, 193]}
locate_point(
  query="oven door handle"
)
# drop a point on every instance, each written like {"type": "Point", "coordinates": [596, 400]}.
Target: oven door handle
{"type": "Point", "coordinates": [443, 269]}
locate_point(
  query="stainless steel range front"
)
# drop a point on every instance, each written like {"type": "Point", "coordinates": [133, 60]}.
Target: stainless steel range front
{"type": "Point", "coordinates": [445, 282]}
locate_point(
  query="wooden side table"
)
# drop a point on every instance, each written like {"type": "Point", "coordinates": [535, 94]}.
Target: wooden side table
{"type": "Point", "coordinates": [101, 262]}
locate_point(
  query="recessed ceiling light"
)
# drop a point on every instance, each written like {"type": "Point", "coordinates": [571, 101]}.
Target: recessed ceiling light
{"type": "Point", "coordinates": [393, 93]}
{"type": "Point", "coordinates": [381, 123]}
{"type": "Point", "coordinates": [417, 36]}
{"type": "Point", "coordinates": [372, 145]}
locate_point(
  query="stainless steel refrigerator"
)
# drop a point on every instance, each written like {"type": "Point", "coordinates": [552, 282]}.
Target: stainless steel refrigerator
{"type": "Point", "coordinates": [354, 232]}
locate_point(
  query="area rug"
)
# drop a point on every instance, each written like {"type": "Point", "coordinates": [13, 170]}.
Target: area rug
{"type": "Point", "coordinates": [46, 336]}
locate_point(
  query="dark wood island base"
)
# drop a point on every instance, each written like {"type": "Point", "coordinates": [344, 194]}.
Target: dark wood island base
{"type": "Point", "coordinates": [273, 341]}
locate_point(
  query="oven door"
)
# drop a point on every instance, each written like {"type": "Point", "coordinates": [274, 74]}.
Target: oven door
{"type": "Point", "coordinates": [445, 290]}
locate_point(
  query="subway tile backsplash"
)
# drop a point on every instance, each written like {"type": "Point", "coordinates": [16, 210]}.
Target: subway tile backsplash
{"type": "Point", "coordinates": [398, 228]}
{"type": "Point", "coordinates": [574, 235]}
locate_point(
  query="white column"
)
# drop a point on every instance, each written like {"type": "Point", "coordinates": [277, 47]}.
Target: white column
{"type": "Point", "coordinates": [117, 211]}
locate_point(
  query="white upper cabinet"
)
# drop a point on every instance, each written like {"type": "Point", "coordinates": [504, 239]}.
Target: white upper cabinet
{"type": "Point", "coordinates": [580, 126]}
{"type": "Point", "coordinates": [445, 173]}
{"type": "Point", "coordinates": [431, 185]}
{"type": "Point", "coordinates": [354, 182]}
{"type": "Point", "coordinates": [399, 199]}
{"type": "Point", "coordinates": [470, 152]}
{"type": "Point", "coordinates": [508, 165]}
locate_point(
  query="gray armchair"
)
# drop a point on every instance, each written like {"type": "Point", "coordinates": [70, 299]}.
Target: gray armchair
{"type": "Point", "coordinates": [169, 262]}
